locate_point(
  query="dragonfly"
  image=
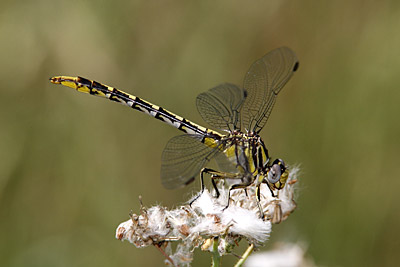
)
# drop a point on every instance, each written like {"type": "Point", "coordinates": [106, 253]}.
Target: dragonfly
{"type": "Point", "coordinates": [240, 113]}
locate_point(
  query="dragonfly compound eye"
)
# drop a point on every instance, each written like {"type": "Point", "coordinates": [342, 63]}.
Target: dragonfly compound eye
{"type": "Point", "coordinates": [274, 173]}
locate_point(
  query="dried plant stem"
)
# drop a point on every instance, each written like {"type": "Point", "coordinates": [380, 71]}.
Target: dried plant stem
{"type": "Point", "coordinates": [216, 258]}
{"type": "Point", "coordinates": [246, 254]}
{"type": "Point", "coordinates": [165, 254]}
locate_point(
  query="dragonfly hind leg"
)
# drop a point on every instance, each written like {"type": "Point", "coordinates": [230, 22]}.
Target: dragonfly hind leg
{"type": "Point", "coordinates": [226, 175]}
{"type": "Point", "coordinates": [211, 172]}
{"type": "Point", "coordinates": [214, 175]}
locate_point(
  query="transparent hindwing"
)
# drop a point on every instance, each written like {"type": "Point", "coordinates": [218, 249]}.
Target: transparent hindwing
{"type": "Point", "coordinates": [183, 158]}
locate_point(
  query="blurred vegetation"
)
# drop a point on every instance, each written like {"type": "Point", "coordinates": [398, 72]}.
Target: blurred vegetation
{"type": "Point", "coordinates": [72, 166]}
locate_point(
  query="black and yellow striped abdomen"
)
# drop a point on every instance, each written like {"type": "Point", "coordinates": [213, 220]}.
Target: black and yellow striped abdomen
{"type": "Point", "coordinates": [98, 89]}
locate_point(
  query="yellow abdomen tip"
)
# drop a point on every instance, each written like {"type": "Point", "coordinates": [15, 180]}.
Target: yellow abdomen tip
{"type": "Point", "coordinates": [56, 79]}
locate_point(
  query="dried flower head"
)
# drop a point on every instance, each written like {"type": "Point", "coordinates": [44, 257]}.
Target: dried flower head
{"type": "Point", "coordinates": [207, 221]}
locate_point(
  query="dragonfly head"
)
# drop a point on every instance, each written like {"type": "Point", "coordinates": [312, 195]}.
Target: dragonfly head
{"type": "Point", "coordinates": [277, 174]}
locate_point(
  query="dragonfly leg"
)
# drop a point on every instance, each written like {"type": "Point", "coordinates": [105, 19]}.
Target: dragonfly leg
{"type": "Point", "coordinates": [270, 188]}
{"type": "Point", "coordinates": [226, 175]}
{"type": "Point", "coordinates": [258, 202]}
{"type": "Point", "coordinates": [220, 175]}
{"type": "Point", "coordinates": [213, 174]}
{"type": "Point", "coordinates": [236, 186]}
{"type": "Point", "coordinates": [201, 187]}
{"type": "Point", "coordinates": [215, 188]}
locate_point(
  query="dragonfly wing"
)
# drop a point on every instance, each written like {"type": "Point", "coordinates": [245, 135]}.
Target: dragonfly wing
{"type": "Point", "coordinates": [224, 164]}
{"type": "Point", "coordinates": [263, 82]}
{"type": "Point", "coordinates": [220, 106]}
{"type": "Point", "coordinates": [183, 158]}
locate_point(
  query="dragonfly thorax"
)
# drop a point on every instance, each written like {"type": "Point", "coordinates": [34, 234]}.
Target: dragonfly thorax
{"type": "Point", "coordinates": [247, 152]}
{"type": "Point", "coordinates": [249, 155]}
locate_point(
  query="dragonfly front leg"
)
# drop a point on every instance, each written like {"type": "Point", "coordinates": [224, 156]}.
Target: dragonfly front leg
{"type": "Point", "coordinates": [258, 201]}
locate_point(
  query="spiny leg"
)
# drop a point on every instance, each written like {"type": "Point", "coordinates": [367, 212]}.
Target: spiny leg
{"type": "Point", "coordinates": [211, 172]}
{"type": "Point", "coordinates": [258, 194]}
{"type": "Point", "coordinates": [270, 187]}
{"type": "Point", "coordinates": [214, 175]}
{"type": "Point", "coordinates": [226, 175]}
{"type": "Point", "coordinates": [220, 175]}
{"type": "Point", "coordinates": [236, 186]}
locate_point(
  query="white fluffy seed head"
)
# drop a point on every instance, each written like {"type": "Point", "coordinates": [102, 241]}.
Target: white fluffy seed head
{"type": "Point", "coordinates": [208, 218]}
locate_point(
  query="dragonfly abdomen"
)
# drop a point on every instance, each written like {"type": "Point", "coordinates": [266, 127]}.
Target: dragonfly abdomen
{"type": "Point", "coordinates": [98, 89]}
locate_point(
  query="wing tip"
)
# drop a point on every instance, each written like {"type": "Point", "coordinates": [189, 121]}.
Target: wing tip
{"type": "Point", "coordinates": [296, 66]}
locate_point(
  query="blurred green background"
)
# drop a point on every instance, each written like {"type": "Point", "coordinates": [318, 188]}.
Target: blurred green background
{"type": "Point", "coordinates": [72, 166]}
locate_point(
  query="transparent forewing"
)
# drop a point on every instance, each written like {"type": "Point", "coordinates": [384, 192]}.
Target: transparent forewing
{"type": "Point", "coordinates": [220, 106]}
{"type": "Point", "coordinates": [262, 83]}
{"type": "Point", "coordinates": [183, 158]}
